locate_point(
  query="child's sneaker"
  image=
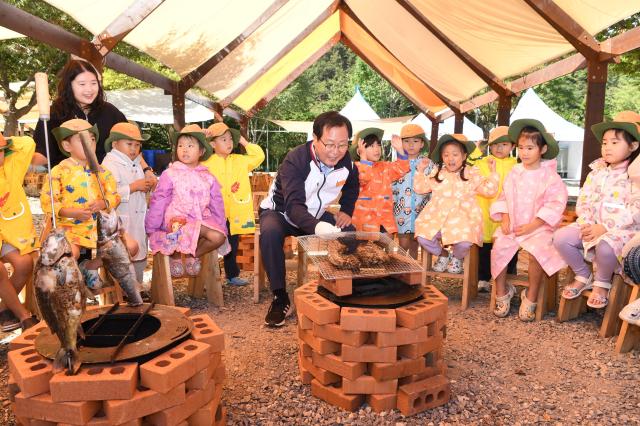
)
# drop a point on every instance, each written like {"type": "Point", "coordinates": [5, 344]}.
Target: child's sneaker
{"type": "Point", "coordinates": [484, 286]}
{"type": "Point", "coordinates": [91, 277]}
{"type": "Point", "coordinates": [455, 265]}
{"type": "Point", "coordinates": [192, 266]}
{"type": "Point", "coordinates": [237, 282]}
{"type": "Point", "coordinates": [441, 264]}
{"type": "Point", "coordinates": [631, 313]}
{"type": "Point", "coordinates": [176, 268]}
{"type": "Point", "coordinates": [527, 309]}
{"type": "Point", "coordinates": [503, 303]}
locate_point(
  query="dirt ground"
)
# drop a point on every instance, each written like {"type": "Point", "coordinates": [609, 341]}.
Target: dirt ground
{"type": "Point", "coordinates": [502, 371]}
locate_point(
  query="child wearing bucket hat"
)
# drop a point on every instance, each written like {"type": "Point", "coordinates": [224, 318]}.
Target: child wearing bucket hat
{"type": "Point", "coordinates": [373, 211]}
{"type": "Point", "coordinates": [407, 204]}
{"type": "Point", "coordinates": [232, 171]}
{"type": "Point", "coordinates": [17, 233]}
{"type": "Point", "coordinates": [607, 209]}
{"type": "Point", "coordinates": [530, 207]}
{"type": "Point", "coordinates": [123, 158]}
{"type": "Point", "coordinates": [76, 195]}
{"type": "Point", "coordinates": [186, 212]}
{"type": "Point", "coordinates": [452, 217]}
{"type": "Point", "coordinates": [500, 147]}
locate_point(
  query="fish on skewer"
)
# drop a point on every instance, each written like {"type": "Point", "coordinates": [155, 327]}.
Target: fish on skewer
{"type": "Point", "coordinates": [61, 296]}
{"type": "Point", "coordinates": [115, 257]}
{"type": "Point", "coordinates": [371, 254]}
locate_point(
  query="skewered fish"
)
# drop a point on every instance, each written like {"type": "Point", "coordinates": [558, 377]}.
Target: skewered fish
{"type": "Point", "coordinates": [60, 292]}
{"type": "Point", "coordinates": [371, 254]}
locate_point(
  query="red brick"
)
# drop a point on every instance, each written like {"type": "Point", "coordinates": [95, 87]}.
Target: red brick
{"type": "Point", "coordinates": [221, 416]}
{"type": "Point", "coordinates": [401, 336]}
{"type": "Point", "coordinates": [207, 331]}
{"type": "Point", "coordinates": [440, 368]}
{"type": "Point", "coordinates": [194, 400]}
{"type": "Point", "coordinates": [318, 344]}
{"type": "Point", "coordinates": [368, 353]}
{"type": "Point", "coordinates": [12, 387]}
{"type": "Point", "coordinates": [27, 338]}
{"type": "Point", "coordinates": [202, 377]}
{"type": "Point", "coordinates": [30, 370]}
{"type": "Point", "coordinates": [413, 278]}
{"type": "Point", "coordinates": [317, 308]}
{"type": "Point", "coordinates": [305, 349]}
{"type": "Point", "coordinates": [365, 319]}
{"type": "Point", "coordinates": [305, 375]}
{"type": "Point", "coordinates": [101, 419]}
{"type": "Point", "coordinates": [423, 395]}
{"type": "Point", "coordinates": [186, 311]}
{"type": "Point", "coordinates": [206, 415]}
{"type": "Point", "coordinates": [382, 402]}
{"type": "Point", "coordinates": [95, 383]}
{"type": "Point", "coordinates": [432, 293]}
{"type": "Point", "coordinates": [175, 366]}
{"type": "Point", "coordinates": [394, 370]}
{"type": "Point", "coordinates": [368, 385]}
{"type": "Point", "coordinates": [309, 288]}
{"type": "Point", "coordinates": [304, 322]}
{"type": "Point", "coordinates": [335, 396]}
{"type": "Point", "coordinates": [420, 313]}
{"type": "Point", "coordinates": [220, 375]}
{"type": "Point", "coordinates": [339, 287]}
{"type": "Point", "coordinates": [335, 364]}
{"type": "Point", "coordinates": [335, 333]}
{"type": "Point", "coordinates": [143, 403]}
{"type": "Point", "coordinates": [320, 374]}
{"type": "Point", "coordinates": [42, 407]}
{"type": "Point", "coordinates": [417, 350]}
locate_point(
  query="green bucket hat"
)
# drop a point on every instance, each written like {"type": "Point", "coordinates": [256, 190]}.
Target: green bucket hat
{"type": "Point", "coordinates": [124, 130]}
{"type": "Point", "coordinates": [469, 146]}
{"type": "Point", "coordinates": [353, 150]}
{"type": "Point", "coordinates": [624, 120]}
{"type": "Point", "coordinates": [70, 128]}
{"type": "Point", "coordinates": [195, 131]}
{"type": "Point", "coordinates": [552, 145]}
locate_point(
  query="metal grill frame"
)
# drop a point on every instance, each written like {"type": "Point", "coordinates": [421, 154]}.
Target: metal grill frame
{"type": "Point", "coordinates": [315, 247]}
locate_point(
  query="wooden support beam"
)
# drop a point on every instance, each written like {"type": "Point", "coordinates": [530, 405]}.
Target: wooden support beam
{"type": "Point", "coordinates": [435, 125]}
{"type": "Point", "coordinates": [244, 126]}
{"type": "Point", "coordinates": [550, 72]}
{"type": "Point", "coordinates": [478, 101]}
{"type": "Point", "coordinates": [123, 24]}
{"type": "Point", "coordinates": [459, 123]}
{"type": "Point", "coordinates": [622, 43]}
{"type": "Point", "coordinates": [286, 49]}
{"type": "Point", "coordinates": [594, 113]}
{"type": "Point", "coordinates": [504, 110]}
{"type": "Point", "coordinates": [133, 69]}
{"type": "Point", "coordinates": [445, 115]}
{"type": "Point", "coordinates": [293, 75]}
{"type": "Point", "coordinates": [571, 30]}
{"type": "Point", "coordinates": [177, 101]}
{"type": "Point", "coordinates": [190, 80]}
{"type": "Point", "coordinates": [483, 72]}
{"type": "Point", "coordinates": [218, 113]}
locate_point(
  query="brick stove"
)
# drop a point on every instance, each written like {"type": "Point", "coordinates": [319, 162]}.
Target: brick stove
{"type": "Point", "coordinates": [367, 337]}
{"type": "Point", "coordinates": [169, 372]}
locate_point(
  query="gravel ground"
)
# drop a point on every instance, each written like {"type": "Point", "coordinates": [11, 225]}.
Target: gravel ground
{"type": "Point", "coordinates": [502, 371]}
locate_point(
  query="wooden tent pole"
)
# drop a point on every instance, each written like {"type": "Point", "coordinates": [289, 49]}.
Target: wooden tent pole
{"type": "Point", "coordinates": [435, 124]}
{"type": "Point", "coordinates": [594, 112]}
{"type": "Point", "coordinates": [177, 101]}
{"type": "Point", "coordinates": [504, 110]}
{"type": "Point", "coordinates": [459, 122]}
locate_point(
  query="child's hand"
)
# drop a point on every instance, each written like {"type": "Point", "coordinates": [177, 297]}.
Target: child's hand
{"type": "Point", "coordinates": [592, 232]}
{"type": "Point", "coordinates": [97, 205]}
{"type": "Point", "coordinates": [362, 152]}
{"type": "Point", "coordinates": [492, 163]}
{"type": "Point", "coordinates": [422, 165]}
{"type": "Point", "coordinates": [529, 227]}
{"type": "Point", "coordinates": [242, 141]}
{"type": "Point", "coordinates": [75, 213]}
{"type": "Point", "coordinates": [235, 187]}
{"type": "Point", "coordinates": [505, 225]}
{"type": "Point", "coordinates": [396, 143]}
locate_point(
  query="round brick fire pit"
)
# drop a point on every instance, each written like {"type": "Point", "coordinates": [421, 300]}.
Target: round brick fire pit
{"type": "Point", "coordinates": [389, 358]}
{"type": "Point", "coordinates": [180, 384]}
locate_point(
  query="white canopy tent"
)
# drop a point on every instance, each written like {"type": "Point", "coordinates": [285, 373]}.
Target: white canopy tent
{"type": "Point", "coordinates": [469, 129]}
{"type": "Point", "coordinates": [569, 136]}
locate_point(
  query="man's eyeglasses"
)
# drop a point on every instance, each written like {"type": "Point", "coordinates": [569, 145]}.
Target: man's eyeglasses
{"type": "Point", "coordinates": [334, 147]}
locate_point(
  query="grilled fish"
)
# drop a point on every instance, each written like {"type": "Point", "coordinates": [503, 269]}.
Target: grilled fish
{"type": "Point", "coordinates": [115, 257]}
{"type": "Point", "coordinates": [60, 293]}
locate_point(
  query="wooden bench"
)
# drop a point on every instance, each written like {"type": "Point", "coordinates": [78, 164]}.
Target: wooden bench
{"type": "Point", "coordinates": [469, 276]}
{"type": "Point", "coordinates": [629, 337]}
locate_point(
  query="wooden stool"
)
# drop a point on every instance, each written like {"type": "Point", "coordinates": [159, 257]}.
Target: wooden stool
{"type": "Point", "coordinates": [260, 275]}
{"type": "Point", "coordinates": [629, 337]}
{"type": "Point", "coordinates": [208, 279]}
{"type": "Point", "coordinates": [469, 276]}
{"type": "Point", "coordinates": [546, 294]}
{"type": "Point", "coordinates": [618, 297]}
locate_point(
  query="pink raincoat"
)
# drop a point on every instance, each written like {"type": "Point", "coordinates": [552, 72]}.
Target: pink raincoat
{"type": "Point", "coordinates": [607, 198]}
{"type": "Point", "coordinates": [526, 195]}
{"type": "Point", "coordinates": [184, 199]}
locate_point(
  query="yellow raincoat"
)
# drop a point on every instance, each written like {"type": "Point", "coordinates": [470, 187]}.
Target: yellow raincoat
{"type": "Point", "coordinates": [503, 167]}
{"type": "Point", "coordinates": [233, 175]}
{"type": "Point", "coordinates": [74, 186]}
{"type": "Point", "coordinates": [16, 223]}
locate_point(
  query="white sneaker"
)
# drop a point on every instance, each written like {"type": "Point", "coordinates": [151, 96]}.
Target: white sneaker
{"type": "Point", "coordinates": [454, 266]}
{"type": "Point", "coordinates": [441, 264]}
{"type": "Point", "coordinates": [484, 286]}
{"type": "Point", "coordinates": [503, 303]}
{"type": "Point", "coordinates": [631, 313]}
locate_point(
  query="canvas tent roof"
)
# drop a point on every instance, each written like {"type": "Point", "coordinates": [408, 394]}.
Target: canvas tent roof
{"type": "Point", "coordinates": [469, 129]}
{"type": "Point", "coordinates": [530, 105]}
{"type": "Point", "coordinates": [503, 38]}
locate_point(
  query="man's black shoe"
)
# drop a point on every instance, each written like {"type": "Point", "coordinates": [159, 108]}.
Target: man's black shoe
{"type": "Point", "coordinates": [280, 309]}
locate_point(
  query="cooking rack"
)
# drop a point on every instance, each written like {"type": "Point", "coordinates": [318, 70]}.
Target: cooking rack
{"type": "Point", "coordinates": [316, 248]}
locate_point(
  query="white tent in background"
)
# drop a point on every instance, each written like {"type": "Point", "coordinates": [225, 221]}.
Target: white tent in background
{"type": "Point", "coordinates": [569, 136]}
{"type": "Point", "coordinates": [359, 109]}
{"type": "Point", "coordinates": [469, 128]}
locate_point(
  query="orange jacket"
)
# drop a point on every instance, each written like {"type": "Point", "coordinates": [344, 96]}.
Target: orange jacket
{"type": "Point", "coordinates": [374, 207]}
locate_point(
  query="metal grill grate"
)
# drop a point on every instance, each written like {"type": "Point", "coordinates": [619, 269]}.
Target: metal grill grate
{"type": "Point", "coordinates": [316, 247]}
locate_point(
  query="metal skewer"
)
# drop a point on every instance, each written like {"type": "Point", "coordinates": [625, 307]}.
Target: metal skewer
{"type": "Point", "coordinates": [42, 96]}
